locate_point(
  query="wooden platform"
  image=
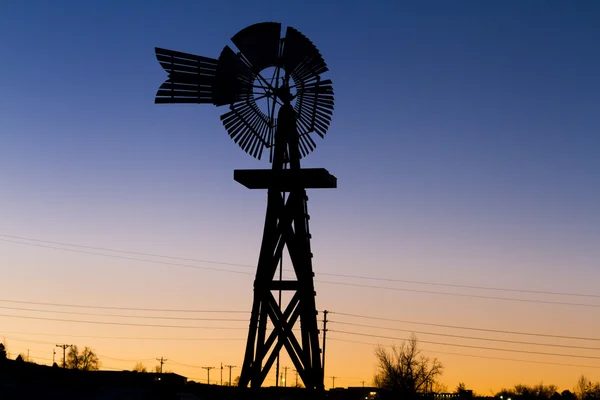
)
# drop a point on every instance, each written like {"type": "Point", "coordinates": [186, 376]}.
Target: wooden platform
{"type": "Point", "coordinates": [285, 180]}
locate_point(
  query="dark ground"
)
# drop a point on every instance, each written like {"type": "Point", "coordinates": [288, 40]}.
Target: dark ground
{"type": "Point", "coordinates": [21, 380]}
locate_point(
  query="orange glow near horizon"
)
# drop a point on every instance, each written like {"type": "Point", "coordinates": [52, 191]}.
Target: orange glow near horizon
{"type": "Point", "coordinates": [194, 340]}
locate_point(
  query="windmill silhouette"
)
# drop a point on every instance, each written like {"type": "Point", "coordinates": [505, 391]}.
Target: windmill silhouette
{"type": "Point", "coordinates": [277, 103]}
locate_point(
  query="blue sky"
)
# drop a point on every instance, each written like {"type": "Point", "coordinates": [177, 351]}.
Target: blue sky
{"type": "Point", "coordinates": [464, 140]}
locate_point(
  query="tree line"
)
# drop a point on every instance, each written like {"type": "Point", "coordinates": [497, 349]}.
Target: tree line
{"type": "Point", "coordinates": [84, 360]}
{"type": "Point", "coordinates": [584, 389]}
{"type": "Point", "coordinates": [404, 372]}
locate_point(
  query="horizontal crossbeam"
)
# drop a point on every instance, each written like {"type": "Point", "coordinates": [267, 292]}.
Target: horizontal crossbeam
{"type": "Point", "coordinates": [285, 180]}
{"type": "Point", "coordinates": [284, 285]}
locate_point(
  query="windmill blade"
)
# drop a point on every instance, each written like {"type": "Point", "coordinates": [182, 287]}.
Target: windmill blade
{"type": "Point", "coordinates": [233, 80]}
{"type": "Point", "coordinates": [301, 57]}
{"type": "Point", "coordinates": [259, 44]}
{"type": "Point", "coordinates": [314, 106]}
{"type": "Point", "coordinates": [191, 77]}
{"type": "Point", "coordinates": [248, 126]}
{"type": "Point", "coordinates": [314, 97]}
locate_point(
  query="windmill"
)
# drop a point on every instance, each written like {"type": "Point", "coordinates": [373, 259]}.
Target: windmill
{"type": "Point", "coordinates": [277, 103]}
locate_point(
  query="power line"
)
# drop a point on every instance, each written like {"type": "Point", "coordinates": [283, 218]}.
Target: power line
{"type": "Point", "coordinates": [118, 337]}
{"type": "Point", "coordinates": [126, 316]}
{"type": "Point", "coordinates": [49, 363]}
{"type": "Point", "coordinates": [362, 277]}
{"type": "Point", "coordinates": [126, 360]}
{"type": "Point", "coordinates": [127, 252]}
{"type": "Point", "coordinates": [131, 258]}
{"type": "Point", "coordinates": [467, 328]}
{"type": "Point", "coordinates": [186, 365]}
{"type": "Point", "coordinates": [499, 289]}
{"type": "Point", "coordinates": [339, 322]}
{"type": "Point", "coordinates": [35, 358]}
{"type": "Point", "coordinates": [358, 342]}
{"type": "Point", "coordinates": [65, 346]}
{"type": "Point", "coordinates": [33, 341]}
{"type": "Point", "coordinates": [119, 323]}
{"type": "Point", "coordinates": [470, 346]}
{"type": "Point", "coordinates": [477, 356]}
{"type": "Point", "coordinates": [326, 282]}
{"type": "Point", "coordinates": [563, 303]}
{"type": "Point", "coordinates": [123, 308]}
{"type": "Point", "coordinates": [468, 337]}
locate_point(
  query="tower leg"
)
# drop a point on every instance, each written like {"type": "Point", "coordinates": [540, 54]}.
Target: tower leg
{"type": "Point", "coordinates": [286, 225]}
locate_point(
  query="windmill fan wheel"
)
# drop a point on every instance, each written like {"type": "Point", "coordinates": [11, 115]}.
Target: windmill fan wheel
{"type": "Point", "coordinates": [295, 78]}
{"type": "Point", "coordinates": [240, 80]}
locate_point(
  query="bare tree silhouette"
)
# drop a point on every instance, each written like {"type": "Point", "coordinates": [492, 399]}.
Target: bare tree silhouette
{"type": "Point", "coordinates": [139, 367]}
{"type": "Point", "coordinates": [460, 387]}
{"type": "Point", "coordinates": [525, 392]}
{"type": "Point", "coordinates": [87, 360]}
{"type": "Point", "coordinates": [405, 372]}
{"type": "Point", "coordinates": [586, 390]}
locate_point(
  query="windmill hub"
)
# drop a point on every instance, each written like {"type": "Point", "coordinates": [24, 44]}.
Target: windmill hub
{"type": "Point", "coordinates": [270, 89]}
{"type": "Point", "coordinates": [284, 94]}
{"type": "Point", "coordinates": [299, 105]}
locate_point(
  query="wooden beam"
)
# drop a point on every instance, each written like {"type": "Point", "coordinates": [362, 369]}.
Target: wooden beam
{"type": "Point", "coordinates": [285, 180]}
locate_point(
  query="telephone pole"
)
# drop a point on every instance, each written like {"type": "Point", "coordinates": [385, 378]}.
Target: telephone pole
{"type": "Point", "coordinates": [285, 376]}
{"type": "Point", "coordinates": [333, 383]}
{"type": "Point", "coordinates": [325, 312]}
{"type": "Point", "coordinates": [208, 374]}
{"type": "Point", "coordinates": [296, 377]}
{"type": "Point", "coordinates": [221, 374]}
{"type": "Point", "coordinates": [64, 347]}
{"type": "Point", "coordinates": [230, 366]}
{"type": "Point", "coordinates": [162, 361]}
{"type": "Point", "coordinates": [279, 303]}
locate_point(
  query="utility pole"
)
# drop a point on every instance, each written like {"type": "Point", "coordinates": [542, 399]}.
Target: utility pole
{"type": "Point", "coordinates": [296, 377]}
{"type": "Point", "coordinates": [53, 355]}
{"type": "Point", "coordinates": [162, 360]}
{"type": "Point", "coordinates": [285, 377]}
{"type": "Point", "coordinates": [64, 347]}
{"type": "Point", "coordinates": [230, 366]}
{"type": "Point", "coordinates": [208, 373]}
{"type": "Point", "coordinates": [363, 382]}
{"type": "Point", "coordinates": [324, 338]}
{"type": "Point", "coordinates": [221, 374]}
{"type": "Point", "coordinates": [333, 383]}
{"type": "Point", "coordinates": [279, 303]}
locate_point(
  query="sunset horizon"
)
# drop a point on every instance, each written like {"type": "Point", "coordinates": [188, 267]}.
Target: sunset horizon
{"type": "Point", "coordinates": [454, 197]}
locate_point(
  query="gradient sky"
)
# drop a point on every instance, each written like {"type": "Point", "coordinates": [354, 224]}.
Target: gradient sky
{"type": "Point", "coordinates": [465, 142]}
